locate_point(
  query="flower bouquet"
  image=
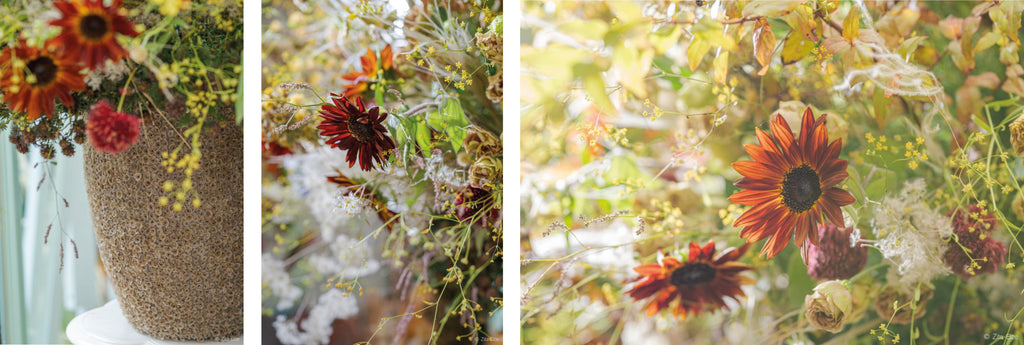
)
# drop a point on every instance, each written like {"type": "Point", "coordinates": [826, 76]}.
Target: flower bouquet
{"type": "Point", "coordinates": [382, 171]}
{"type": "Point", "coordinates": [148, 90]}
{"type": "Point", "coordinates": [772, 172]}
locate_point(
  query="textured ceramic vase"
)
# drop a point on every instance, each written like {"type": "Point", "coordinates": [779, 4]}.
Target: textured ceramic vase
{"type": "Point", "coordinates": [177, 275]}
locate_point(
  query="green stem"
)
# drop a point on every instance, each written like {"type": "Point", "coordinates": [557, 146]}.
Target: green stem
{"type": "Point", "coordinates": [949, 313]}
{"type": "Point", "coordinates": [125, 89]}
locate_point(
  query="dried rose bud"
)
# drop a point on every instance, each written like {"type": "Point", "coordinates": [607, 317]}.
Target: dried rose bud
{"type": "Point", "coordinates": [485, 173]}
{"type": "Point", "coordinates": [829, 305]}
{"type": "Point", "coordinates": [480, 142]}
{"type": "Point", "coordinates": [891, 296]}
{"type": "Point", "coordinates": [1017, 136]}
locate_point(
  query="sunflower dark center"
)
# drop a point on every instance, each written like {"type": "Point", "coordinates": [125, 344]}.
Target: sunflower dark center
{"type": "Point", "coordinates": [93, 26]}
{"type": "Point", "coordinates": [692, 274]}
{"type": "Point", "coordinates": [801, 188]}
{"type": "Point", "coordinates": [44, 69]}
{"type": "Point", "coordinates": [361, 128]}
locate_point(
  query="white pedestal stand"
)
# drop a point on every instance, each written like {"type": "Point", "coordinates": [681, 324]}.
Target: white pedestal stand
{"type": "Point", "coordinates": [106, 325]}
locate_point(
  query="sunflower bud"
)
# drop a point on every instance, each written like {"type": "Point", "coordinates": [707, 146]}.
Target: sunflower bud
{"type": "Point", "coordinates": [829, 305]}
{"type": "Point", "coordinates": [485, 172]}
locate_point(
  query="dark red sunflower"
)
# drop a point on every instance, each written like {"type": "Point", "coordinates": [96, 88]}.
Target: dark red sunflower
{"type": "Point", "coordinates": [350, 127]}
{"type": "Point", "coordinates": [790, 184]}
{"type": "Point", "coordinates": [361, 80]}
{"type": "Point", "coordinates": [700, 284]}
{"type": "Point", "coordinates": [90, 29]}
{"type": "Point", "coordinates": [33, 78]}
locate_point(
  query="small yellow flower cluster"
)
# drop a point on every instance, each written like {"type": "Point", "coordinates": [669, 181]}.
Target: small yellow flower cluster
{"type": "Point", "coordinates": [631, 185]}
{"type": "Point", "coordinates": [914, 153]}
{"type": "Point", "coordinates": [725, 94]}
{"type": "Point", "coordinates": [652, 111]}
{"type": "Point", "coordinates": [457, 76]}
{"type": "Point", "coordinates": [171, 8]}
{"type": "Point", "coordinates": [877, 145]}
{"type": "Point", "coordinates": [666, 217]}
{"type": "Point", "coordinates": [180, 191]}
{"type": "Point", "coordinates": [350, 287]}
{"type": "Point", "coordinates": [694, 175]}
{"type": "Point", "coordinates": [822, 57]}
{"type": "Point", "coordinates": [167, 75]}
{"type": "Point", "coordinates": [885, 335]}
{"type": "Point", "coordinates": [367, 8]}
{"type": "Point", "coordinates": [730, 213]}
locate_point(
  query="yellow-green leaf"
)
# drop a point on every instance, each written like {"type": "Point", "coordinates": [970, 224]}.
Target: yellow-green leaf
{"type": "Point", "coordinates": [851, 25]}
{"type": "Point", "coordinates": [795, 48]}
{"type": "Point", "coordinates": [633, 65]}
{"type": "Point", "coordinates": [721, 67]}
{"type": "Point", "coordinates": [585, 29]}
{"type": "Point", "coordinates": [987, 40]}
{"type": "Point", "coordinates": [698, 48]}
{"type": "Point", "coordinates": [764, 44]}
{"type": "Point", "coordinates": [593, 83]}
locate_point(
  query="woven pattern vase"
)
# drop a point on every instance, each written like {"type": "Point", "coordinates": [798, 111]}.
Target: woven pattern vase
{"type": "Point", "coordinates": [177, 275]}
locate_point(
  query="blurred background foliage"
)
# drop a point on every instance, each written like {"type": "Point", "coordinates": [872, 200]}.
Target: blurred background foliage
{"type": "Point", "coordinates": [633, 112]}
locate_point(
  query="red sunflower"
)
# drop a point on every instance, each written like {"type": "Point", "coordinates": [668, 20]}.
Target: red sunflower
{"type": "Point", "coordinates": [33, 78]}
{"type": "Point", "coordinates": [90, 29]}
{"type": "Point", "coordinates": [361, 80]}
{"type": "Point", "coordinates": [791, 184]}
{"type": "Point", "coordinates": [349, 126]}
{"type": "Point", "coordinates": [700, 284]}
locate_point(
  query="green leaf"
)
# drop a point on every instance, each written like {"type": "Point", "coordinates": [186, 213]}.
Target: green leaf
{"type": "Point", "coordinates": [435, 121]}
{"type": "Point", "coordinates": [423, 138]}
{"type": "Point", "coordinates": [455, 122]}
{"type": "Point", "coordinates": [403, 130]}
{"type": "Point", "coordinates": [593, 83]}
{"type": "Point", "coordinates": [853, 181]}
{"type": "Point", "coordinates": [880, 105]}
{"type": "Point", "coordinates": [800, 283]}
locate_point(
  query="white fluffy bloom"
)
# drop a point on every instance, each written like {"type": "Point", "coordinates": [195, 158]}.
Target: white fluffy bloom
{"type": "Point", "coordinates": [436, 170]}
{"type": "Point", "coordinates": [345, 257]}
{"type": "Point", "coordinates": [911, 234]}
{"type": "Point", "coordinates": [324, 199]}
{"type": "Point", "coordinates": [280, 284]}
{"type": "Point", "coordinates": [112, 71]}
{"type": "Point", "coordinates": [317, 329]}
{"type": "Point", "coordinates": [336, 212]}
